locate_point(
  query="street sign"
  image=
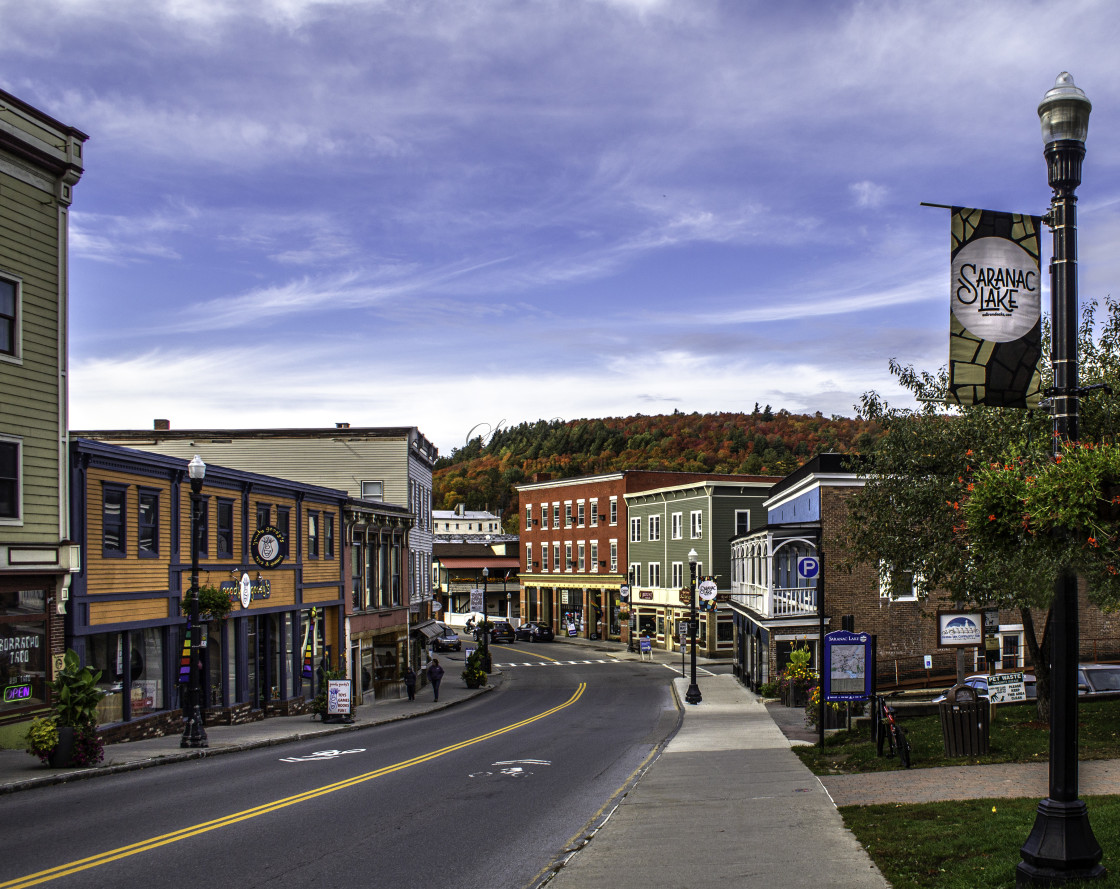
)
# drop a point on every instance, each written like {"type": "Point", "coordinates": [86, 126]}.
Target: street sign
{"type": "Point", "coordinates": [478, 602]}
{"type": "Point", "coordinates": [808, 567]}
{"type": "Point", "coordinates": [847, 659]}
{"type": "Point", "coordinates": [1006, 687]}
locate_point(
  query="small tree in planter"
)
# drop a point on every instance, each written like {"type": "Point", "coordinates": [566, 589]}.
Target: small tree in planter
{"type": "Point", "coordinates": [75, 737]}
{"type": "Point", "coordinates": [473, 673]}
{"type": "Point", "coordinates": [797, 678]}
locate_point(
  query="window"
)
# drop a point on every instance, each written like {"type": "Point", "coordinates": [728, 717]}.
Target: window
{"type": "Point", "coordinates": [313, 538]}
{"type": "Point", "coordinates": [328, 539]}
{"type": "Point", "coordinates": [225, 528]}
{"type": "Point", "coordinates": [678, 575]}
{"type": "Point", "coordinates": [655, 574]}
{"type": "Point", "coordinates": [147, 523]}
{"type": "Point", "coordinates": [614, 556]}
{"type": "Point", "coordinates": [10, 497]}
{"type": "Point", "coordinates": [636, 530]}
{"type": "Point", "coordinates": [113, 521]}
{"type": "Point", "coordinates": [581, 554]}
{"type": "Point", "coordinates": [579, 513]}
{"type": "Point", "coordinates": [567, 557]}
{"type": "Point", "coordinates": [528, 557]}
{"type": "Point", "coordinates": [204, 527]}
{"type": "Point", "coordinates": [264, 515]}
{"type": "Point", "coordinates": [10, 318]}
{"type": "Point", "coordinates": [655, 527]}
{"type": "Point", "coordinates": [556, 557]}
{"type": "Point", "coordinates": [595, 556]}
{"type": "Point", "coordinates": [284, 526]}
{"type": "Point", "coordinates": [544, 516]}
{"type": "Point", "coordinates": [897, 585]}
{"type": "Point", "coordinates": [568, 514]}
{"type": "Point", "coordinates": [614, 510]}
{"type": "Point", "coordinates": [635, 574]}
{"type": "Point", "coordinates": [697, 519]}
{"type": "Point", "coordinates": [555, 515]}
{"type": "Point", "coordinates": [373, 490]}
{"type": "Point", "coordinates": [594, 513]}
{"type": "Point", "coordinates": [544, 557]}
{"type": "Point", "coordinates": [677, 523]}
{"type": "Point", "coordinates": [742, 521]}
{"type": "Point", "coordinates": [528, 516]}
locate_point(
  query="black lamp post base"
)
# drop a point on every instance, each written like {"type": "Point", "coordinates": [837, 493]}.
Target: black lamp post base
{"type": "Point", "coordinates": [194, 734]}
{"type": "Point", "coordinates": [693, 696]}
{"type": "Point", "coordinates": [1061, 847]}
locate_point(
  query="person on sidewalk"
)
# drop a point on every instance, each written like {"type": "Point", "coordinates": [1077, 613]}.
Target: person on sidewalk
{"type": "Point", "coordinates": [435, 674]}
{"type": "Point", "coordinates": [410, 683]}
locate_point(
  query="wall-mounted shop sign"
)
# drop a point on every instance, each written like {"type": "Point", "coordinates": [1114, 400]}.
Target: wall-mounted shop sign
{"type": "Point", "coordinates": [13, 694]}
{"type": "Point", "coordinates": [959, 628]}
{"type": "Point", "coordinates": [645, 594]}
{"type": "Point", "coordinates": [255, 589]}
{"type": "Point", "coordinates": [267, 547]}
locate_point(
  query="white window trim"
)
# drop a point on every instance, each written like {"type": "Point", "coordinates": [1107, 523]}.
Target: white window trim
{"type": "Point", "coordinates": [678, 575]}
{"type": "Point", "coordinates": [614, 556]}
{"type": "Point", "coordinates": [654, 527]}
{"type": "Point", "coordinates": [636, 569]}
{"type": "Point", "coordinates": [16, 520]}
{"type": "Point", "coordinates": [696, 524]}
{"type": "Point", "coordinates": [677, 526]}
{"type": "Point", "coordinates": [738, 513]}
{"type": "Point", "coordinates": [614, 511]}
{"type": "Point", "coordinates": [581, 557]}
{"type": "Point", "coordinates": [594, 555]}
{"type": "Point", "coordinates": [885, 585]}
{"type": "Point", "coordinates": [635, 529]}
{"type": "Point", "coordinates": [654, 574]}
{"type": "Point", "coordinates": [594, 504]}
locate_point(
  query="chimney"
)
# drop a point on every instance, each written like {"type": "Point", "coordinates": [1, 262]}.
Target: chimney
{"type": "Point", "coordinates": [161, 425]}
{"type": "Point", "coordinates": [460, 508]}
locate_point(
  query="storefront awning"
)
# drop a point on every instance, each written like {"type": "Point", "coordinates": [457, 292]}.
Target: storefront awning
{"type": "Point", "coordinates": [502, 562]}
{"type": "Point", "coordinates": [429, 629]}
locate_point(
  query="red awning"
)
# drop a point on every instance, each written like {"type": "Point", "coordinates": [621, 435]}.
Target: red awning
{"type": "Point", "coordinates": [502, 562]}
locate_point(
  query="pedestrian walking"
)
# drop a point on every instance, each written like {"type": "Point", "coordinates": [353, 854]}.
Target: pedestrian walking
{"type": "Point", "coordinates": [435, 674]}
{"type": "Point", "coordinates": [410, 683]}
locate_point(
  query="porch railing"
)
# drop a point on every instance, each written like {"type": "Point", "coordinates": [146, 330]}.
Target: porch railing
{"type": "Point", "coordinates": [776, 602]}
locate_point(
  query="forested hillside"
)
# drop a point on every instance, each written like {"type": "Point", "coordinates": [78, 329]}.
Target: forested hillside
{"type": "Point", "coordinates": [483, 474]}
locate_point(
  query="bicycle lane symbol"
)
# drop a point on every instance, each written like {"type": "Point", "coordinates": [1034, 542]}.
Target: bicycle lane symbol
{"type": "Point", "coordinates": [511, 768]}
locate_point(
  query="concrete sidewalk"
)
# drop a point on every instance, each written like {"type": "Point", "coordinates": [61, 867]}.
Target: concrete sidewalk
{"type": "Point", "coordinates": [727, 803]}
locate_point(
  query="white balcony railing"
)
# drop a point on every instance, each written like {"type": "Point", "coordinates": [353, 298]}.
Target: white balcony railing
{"type": "Point", "coordinates": [777, 602]}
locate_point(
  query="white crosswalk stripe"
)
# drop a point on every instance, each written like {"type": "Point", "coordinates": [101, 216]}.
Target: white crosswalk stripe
{"type": "Point", "coordinates": [556, 663]}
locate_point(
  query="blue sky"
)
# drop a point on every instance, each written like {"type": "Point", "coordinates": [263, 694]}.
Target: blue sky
{"type": "Point", "coordinates": [441, 214]}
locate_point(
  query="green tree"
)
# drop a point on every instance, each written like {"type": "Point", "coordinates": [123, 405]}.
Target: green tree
{"type": "Point", "coordinates": [911, 515]}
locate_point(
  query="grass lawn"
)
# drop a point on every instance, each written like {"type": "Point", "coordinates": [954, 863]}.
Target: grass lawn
{"type": "Point", "coordinates": [966, 845]}
{"type": "Point", "coordinates": [1015, 737]}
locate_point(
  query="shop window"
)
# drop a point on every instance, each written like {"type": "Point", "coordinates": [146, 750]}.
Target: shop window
{"type": "Point", "coordinates": [725, 631]}
{"type": "Point", "coordinates": [23, 649]}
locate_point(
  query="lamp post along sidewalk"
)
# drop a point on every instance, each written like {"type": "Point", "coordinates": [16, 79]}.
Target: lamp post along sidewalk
{"type": "Point", "coordinates": [194, 733]}
{"type": "Point", "coordinates": [692, 696]}
{"type": "Point", "coordinates": [1061, 846]}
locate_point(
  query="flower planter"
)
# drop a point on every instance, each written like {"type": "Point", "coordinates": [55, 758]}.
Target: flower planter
{"type": "Point", "coordinates": [63, 754]}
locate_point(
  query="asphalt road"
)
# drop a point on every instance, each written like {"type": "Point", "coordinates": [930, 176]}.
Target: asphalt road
{"type": "Point", "coordinates": [486, 794]}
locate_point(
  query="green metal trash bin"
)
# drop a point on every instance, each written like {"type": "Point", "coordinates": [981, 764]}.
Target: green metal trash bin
{"type": "Point", "coordinates": [965, 722]}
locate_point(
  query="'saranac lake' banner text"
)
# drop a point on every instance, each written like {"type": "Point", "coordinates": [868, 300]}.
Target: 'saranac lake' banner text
{"type": "Point", "coordinates": [995, 336]}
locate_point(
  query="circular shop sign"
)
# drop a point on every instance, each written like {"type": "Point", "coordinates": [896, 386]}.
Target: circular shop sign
{"type": "Point", "coordinates": [246, 591]}
{"type": "Point", "coordinates": [266, 547]}
{"type": "Point", "coordinates": [995, 288]}
{"type": "Point", "coordinates": [624, 592]}
{"type": "Point", "coordinates": [707, 590]}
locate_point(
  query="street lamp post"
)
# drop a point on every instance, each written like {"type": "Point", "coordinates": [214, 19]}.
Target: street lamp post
{"type": "Point", "coordinates": [1061, 846]}
{"type": "Point", "coordinates": [194, 734]}
{"type": "Point", "coordinates": [632, 621]}
{"type": "Point", "coordinates": [692, 696]}
{"type": "Point", "coordinates": [486, 662]}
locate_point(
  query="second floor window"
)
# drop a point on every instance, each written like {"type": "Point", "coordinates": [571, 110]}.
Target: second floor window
{"type": "Point", "coordinates": [147, 523]}
{"type": "Point", "coordinates": [636, 574]}
{"type": "Point", "coordinates": [595, 555]}
{"type": "Point", "coordinates": [264, 516]}
{"type": "Point", "coordinates": [567, 557]}
{"type": "Point", "coordinates": [225, 529]}
{"type": "Point", "coordinates": [528, 517]}
{"type": "Point", "coordinates": [284, 526]}
{"type": "Point", "coordinates": [544, 557]}
{"type": "Point", "coordinates": [697, 524]}
{"type": "Point", "coordinates": [594, 513]}
{"type": "Point", "coordinates": [582, 556]}
{"type": "Point", "coordinates": [614, 556]}
{"type": "Point", "coordinates": [313, 535]}
{"type": "Point", "coordinates": [614, 511]}
{"type": "Point", "coordinates": [678, 575]}
{"type": "Point", "coordinates": [556, 557]}
{"type": "Point", "coordinates": [567, 515]}
{"type": "Point", "coordinates": [113, 531]}
{"type": "Point", "coordinates": [328, 536]}
{"type": "Point", "coordinates": [9, 480]}
{"type": "Point", "coordinates": [555, 515]}
{"type": "Point", "coordinates": [544, 516]}
{"type": "Point", "coordinates": [655, 527]}
{"type": "Point", "coordinates": [579, 514]}
{"type": "Point", "coordinates": [677, 531]}
{"type": "Point", "coordinates": [655, 574]}
{"type": "Point", "coordinates": [528, 557]}
{"type": "Point", "coordinates": [635, 530]}
{"type": "Point", "coordinates": [9, 317]}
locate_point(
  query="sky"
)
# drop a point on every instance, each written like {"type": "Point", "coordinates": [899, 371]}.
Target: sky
{"type": "Point", "coordinates": [465, 214]}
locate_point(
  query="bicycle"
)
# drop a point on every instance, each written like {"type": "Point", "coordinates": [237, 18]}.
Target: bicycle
{"type": "Point", "coordinates": [888, 732]}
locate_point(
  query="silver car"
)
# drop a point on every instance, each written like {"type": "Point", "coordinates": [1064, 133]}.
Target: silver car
{"type": "Point", "coordinates": [1096, 679]}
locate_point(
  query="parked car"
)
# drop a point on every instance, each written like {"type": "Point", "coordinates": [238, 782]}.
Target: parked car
{"type": "Point", "coordinates": [979, 681]}
{"type": "Point", "coordinates": [500, 631]}
{"type": "Point", "coordinates": [1095, 679]}
{"type": "Point", "coordinates": [534, 631]}
{"type": "Point", "coordinates": [447, 640]}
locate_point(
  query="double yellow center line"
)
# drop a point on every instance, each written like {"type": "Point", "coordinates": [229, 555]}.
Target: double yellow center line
{"type": "Point", "coordinates": [166, 839]}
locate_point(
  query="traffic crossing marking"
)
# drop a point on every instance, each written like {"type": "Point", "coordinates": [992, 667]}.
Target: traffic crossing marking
{"type": "Point", "coordinates": [557, 663]}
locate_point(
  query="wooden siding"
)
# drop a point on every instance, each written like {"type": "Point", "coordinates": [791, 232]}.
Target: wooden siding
{"type": "Point", "coordinates": [31, 391]}
{"type": "Point", "coordinates": [130, 573]}
{"type": "Point", "coordinates": [124, 611]}
{"type": "Point", "coordinates": [322, 594]}
{"type": "Point", "coordinates": [326, 462]}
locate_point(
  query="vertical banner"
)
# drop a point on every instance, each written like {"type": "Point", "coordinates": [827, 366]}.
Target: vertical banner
{"type": "Point", "coordinates": [185, 658]}
{"type": "Point", "coordinates": [995, 333]}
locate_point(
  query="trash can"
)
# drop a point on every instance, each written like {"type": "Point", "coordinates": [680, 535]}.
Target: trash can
{"type": "Point", "coordinates": [964, 722]}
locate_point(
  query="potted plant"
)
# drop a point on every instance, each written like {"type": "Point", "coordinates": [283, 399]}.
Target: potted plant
{"type": "Point", "coordinates": [69, 736]}
{"type": "Point", "coordinates": [473, 673]}
{"type": "Point", "coordinates": [213, 604]}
